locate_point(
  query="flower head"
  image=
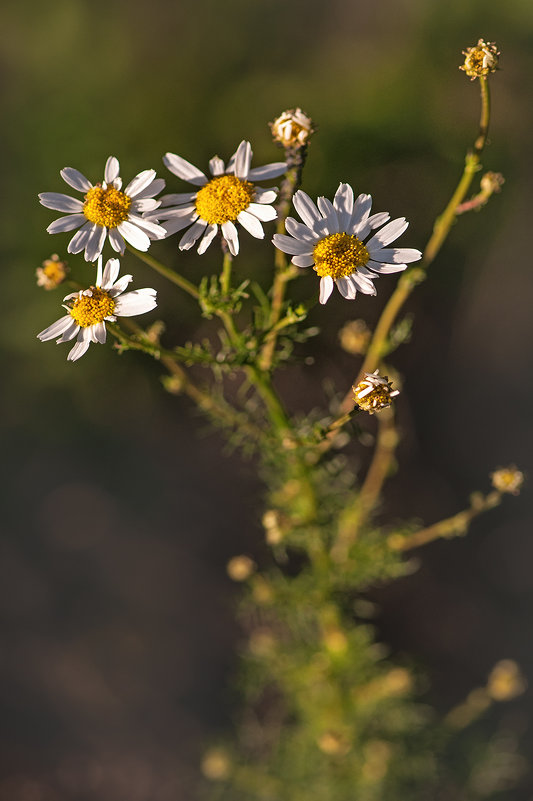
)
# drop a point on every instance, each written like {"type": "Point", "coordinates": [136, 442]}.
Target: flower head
{"type": "Point", "coordinates": [507, 479]}
{"type": "Point", "coordinates": [90, 309]}
{"type": "Point", "coordinates": [106, 210]}
{"type": "Point", "coordinates": [229, 196]}
{"type": "Point", "coordinates": [292, 128]}
{"type": "Point", "coordinates": [480, 60]}
{"type": "Point", "coordinates": [374, 392]}
{"type": "Point", "coordinates": [331, 241]}
{"type": "Point", "coordinates": [52, 273]}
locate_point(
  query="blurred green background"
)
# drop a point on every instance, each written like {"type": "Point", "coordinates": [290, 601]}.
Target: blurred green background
{"type": "Point", "coordinates": [120, 510]}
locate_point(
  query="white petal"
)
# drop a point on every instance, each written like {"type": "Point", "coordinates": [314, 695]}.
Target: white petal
{"type": "Point", "coordinates": [178, 224]}
{"type": "Point", "coordinates": [303, 261]}
{"type": "Point", "coordinates": [263, 213]}
{"type": "Point", "coordinates": [265, 195]}
{"type": "Point", "coordinates": [170, 213]}
{"type": "Point", "coordinates": [60, 202]}
{"type": "Point", "coordinates": [370, 223]}
{"type": "Point", "coordinates": [300, 231]}
{"type": "Point", "coordinates": [399, 255]}
{"type": "Point", "coordinates": [229, 232]}
{"type": "Point", "coordinates": [137, 238]}
{"type": "Point", "coordinates": [56, 329]}
{"type": "Point", "coordinates": [99, 332]}
{"type": "Point", "coordinates": [347, 288]}
{"type": "Point", "coordinates": [144, 204]}
{"type": "Point", "coordinates": [80, 239]}
{"type": "Point", "coordinates": [76, 179]}
{"type": "Point", "coordinates": [152, 189]}
{"type": "Point", "coordinates": [66, 223]}
{"type": "Point", "coordinates": [343, 202]}
{"type": "Point", "coordinates": [119, 287]}
{"type": "Point", "coordinates": [95, 243]}
{"type": "Point", "coordinates": [112, 169]}
{"type": "Point", "coordinates": [177, 198]}
{"type": "Point", "coordinates": [306, 208]}
{"type": "Point", "coordinates": [111, 271]}
{"type": "Point", "coordinates": [329, 214]}
{"type": "Point", "coordinates": [140, 182]}
{"type": "Point", "coordinates": [137, 302]}
{"type": "Point", "coordinates": [216, 165]}
{"type": "Point", "coordinates": [293, 246]}
{"type": "Point", "coordinates": [386, 269]}
{"type": "Point", "coordinates": [326, 288]}
{"type": "Point", "coordinates": [210, 233]}
{"type": "Point", "coordinates": [116, 240]}
{"type": "Point", "coordinates": [386, 235]}
{"type": "Point", "coordinates": [81, 346]}
{"type": "Point", "coordinates": [252, 224]}
{"type": "Point", "coordinates": [361, 210]}
{"type": "Point", "coordinates": [192, 235]}
{"type": "Point", "coordinates": [184, 169]}
{"type": "Point", "coordinates": [362, 283]}
{"type": "Point", "coordinates": [154, 231]}
{"type": "Point", "coordinates": [243, 158]}
{"type": "Point", "coordinates": [267, 172]}
{"type": "Point", "coordinates": [70, 332]}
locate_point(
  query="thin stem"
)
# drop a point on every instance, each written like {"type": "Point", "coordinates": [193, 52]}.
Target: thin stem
{"type": "Point", "coordinates": [441, 230]}
{"type": "Point", "coordinates": [225, 278]}
{"type": "Point", "coordinates": [167, 272]}
{"type": "Point", "coordinates": [284, 271]}
{"type": "Point", "coordinates": [455, 526]}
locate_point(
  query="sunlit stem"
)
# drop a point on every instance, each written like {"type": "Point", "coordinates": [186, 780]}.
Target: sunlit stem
{"type": "Point", "coordinates": [167, 272]}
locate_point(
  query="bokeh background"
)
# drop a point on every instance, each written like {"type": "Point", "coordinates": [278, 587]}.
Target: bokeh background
{"type": "Point", "coordinates": [120, 508]}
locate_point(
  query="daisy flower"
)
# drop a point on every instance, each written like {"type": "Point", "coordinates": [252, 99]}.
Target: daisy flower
{"type": "Point", "coordinates": [229, 196]}
{"type": "Point", "coordinates": [106, 210]}
{"type": "Point", "coordinates": [331, 240]}
{"type": "Point", "coordinates": [89, 309]}
{"type": "Point", "coordinates": [374, 392]}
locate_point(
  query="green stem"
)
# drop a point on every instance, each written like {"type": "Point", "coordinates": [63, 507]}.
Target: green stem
{"type": "Point", "coordinates": [167, 272]}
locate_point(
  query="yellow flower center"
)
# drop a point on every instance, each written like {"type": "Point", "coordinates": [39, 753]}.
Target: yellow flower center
{"type": "Point", "coordinates": [107, 207]}
{"type": "Point", "coordinates": [223, 199]}
{"type": "Point", "coordinates": [339, 255]}
{"type": "Point", "coordinates": [91, 309]}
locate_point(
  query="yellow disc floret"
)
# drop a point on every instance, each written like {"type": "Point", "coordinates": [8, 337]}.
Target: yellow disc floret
{"type": "Point", "coordinates": [223, 199]}
{"type": "Point", "coordinates": [339, 255]}
{"type": "Point", "coordinates": [108, 207]}
{"type": "Point", "coordinates": [92, 308]}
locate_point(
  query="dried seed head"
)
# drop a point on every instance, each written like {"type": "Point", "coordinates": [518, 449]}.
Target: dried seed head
{"type": "Point", "coordinates": [480, 60]}
{"type": "Point", "coordinates": [374, 392]}
{"type": "Point", "coordinates": [292, 128]}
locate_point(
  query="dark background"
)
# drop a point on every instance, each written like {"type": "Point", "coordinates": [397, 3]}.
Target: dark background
{"type": "Point", "coordinates": [120, 509]}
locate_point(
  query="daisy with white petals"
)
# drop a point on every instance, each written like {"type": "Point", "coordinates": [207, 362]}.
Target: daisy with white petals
{"type": "Point", "coordinates": [106, 210]}
{"type": "Point", "coordinates": [229, 196]}
{"type": "Point", "coordinates": [90, 309]}
{"type": "Point", "coordinates": [331, 240]}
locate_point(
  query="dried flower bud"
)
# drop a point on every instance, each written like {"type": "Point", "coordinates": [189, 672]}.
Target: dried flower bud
{"type": "Point", "coordinates": [374, 392]}
{"type": "Point", "coordinates": [240, 568]}
{"type": "Point", "coordinates": [506, 681]}
{"type": "Point", "coordinates": [492, 182]}
{"type": "Point", "coordinates": [507, 479]}
{"type": "Point", "coordinates": [354, 337]}
{"type": "Point", "coordinates": [480, 60]}
{"type": "Point", "coordinates": [292, 128]}
{"type": "Point", "coordinates": [52, 273]}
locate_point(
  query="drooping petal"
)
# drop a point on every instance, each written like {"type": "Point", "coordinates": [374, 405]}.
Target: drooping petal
{"type": "Point", "coordinates": [80, 239]}
{"type": "Point", "coordinates": [75, 179]}
{"type": "Point", "coordinates": [347, 288]}
{"type": "Point", "coordinates": [363, 283]}
{"type": "Point", "coordinates": [70, 332]}
{"type": "Point", "coordinates": [252, 224]}
{"type": "Point", "coordinates": [95, 243]}
{"type": "Point", "coordinates": [132, 234]}
{"type": "Point", "coordinates": [81, 346]}
{"type": "Point", "coordinates": [99, 333]}
{"type": "Point", "coordinates": [56, 329]}
{"type": "Point", "coordinates": [384, 268]}
{"type": "Point", "coordinates": [67, 223]}
{"type": "Point", "coordinates": [184, 169]}
{"type": "Point", "coordinates": [192, 235]}
{"type": "Point", "coordinates": [326, 288]}
{"type": "Point", "coordinates": [230, 234]}
{"type": "Point", "coordinates": [209, 235]}
{"type": "Point", "coordinates": [59, 202]}
{"type": "Point", "coordinates": [116, 240]}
